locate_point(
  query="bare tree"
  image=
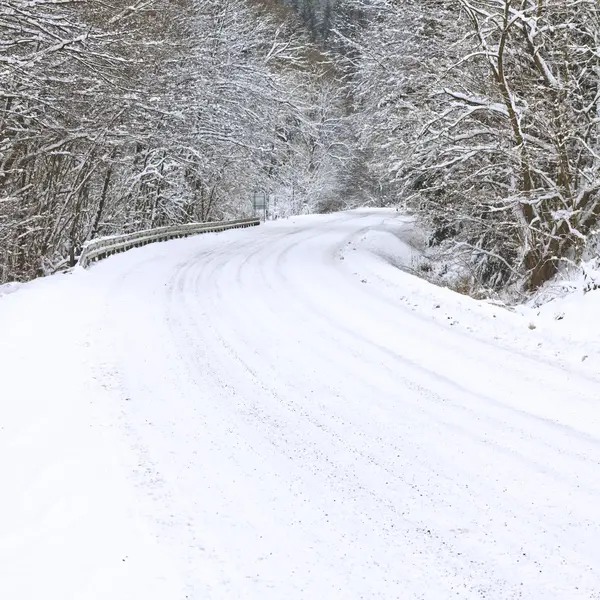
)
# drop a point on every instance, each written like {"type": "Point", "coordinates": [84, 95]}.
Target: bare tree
{"type": "Point", "coordinates": [483, 115]}
{"type": "Point", "coordinates": [116, 120]}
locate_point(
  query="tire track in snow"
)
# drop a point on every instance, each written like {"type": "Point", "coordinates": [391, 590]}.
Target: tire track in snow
{"type": "Point", "coordinates": [302, 456]}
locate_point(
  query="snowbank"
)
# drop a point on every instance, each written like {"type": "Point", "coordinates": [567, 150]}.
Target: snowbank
{"type": "Point", "coordinates": [396, 241]}
{"type": "Point", "coordinates": [571, 320]}
{"type": "Point", "coordinates": [9, 288]}
{"type": "Point", "coordinates": [69, 521]}
{"type": "Point", "coordinates": [565, 330]}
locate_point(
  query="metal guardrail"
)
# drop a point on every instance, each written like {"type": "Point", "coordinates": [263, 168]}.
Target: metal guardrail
{"type": "Point", "coordinates": [102, 247]}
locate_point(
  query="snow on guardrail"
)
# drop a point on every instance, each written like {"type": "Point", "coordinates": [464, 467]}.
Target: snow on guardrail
{"type": "Point", "coordinates": [102, 247]}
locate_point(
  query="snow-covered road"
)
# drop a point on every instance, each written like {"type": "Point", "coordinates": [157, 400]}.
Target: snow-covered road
{"type": "Point", "coordinates": [283, 413]}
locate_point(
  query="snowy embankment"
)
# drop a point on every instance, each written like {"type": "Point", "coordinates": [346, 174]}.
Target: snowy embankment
{"type": "Point", "coordinates": [287, 412]}
{"type": "Point", "coordinates": [566, 310]}
{"type": "Point", "coordinates": [69, 527]}
{"type": "Point", "coordinates": [9, 288]}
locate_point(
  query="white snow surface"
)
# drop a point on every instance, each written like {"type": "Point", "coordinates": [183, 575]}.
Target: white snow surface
{"type": "Point", "coordinates": [9, 288]}
{"type": "Point", "coordinates": [285, 412]}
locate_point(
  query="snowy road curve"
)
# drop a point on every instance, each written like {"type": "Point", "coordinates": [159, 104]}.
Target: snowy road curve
{"type": "Point", "coordinates": [302, 419]}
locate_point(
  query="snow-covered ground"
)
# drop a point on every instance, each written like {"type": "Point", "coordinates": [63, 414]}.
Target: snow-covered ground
{"type": "Point", "coordinates": [287, 412]}
{"type": "Point", "coordinates": [567, 309]}
{"type": "Point", "coordinates": [9, 288]}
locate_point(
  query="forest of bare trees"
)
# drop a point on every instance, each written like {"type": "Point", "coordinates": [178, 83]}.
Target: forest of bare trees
{"type": "Point", "coordinates": [115, 119]}
{"type": "Point", "coordinates": [482, 116]}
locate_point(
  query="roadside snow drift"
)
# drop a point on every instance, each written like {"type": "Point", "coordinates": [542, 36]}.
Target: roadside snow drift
{"type": "Point", "coordinates": [287, 412]}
